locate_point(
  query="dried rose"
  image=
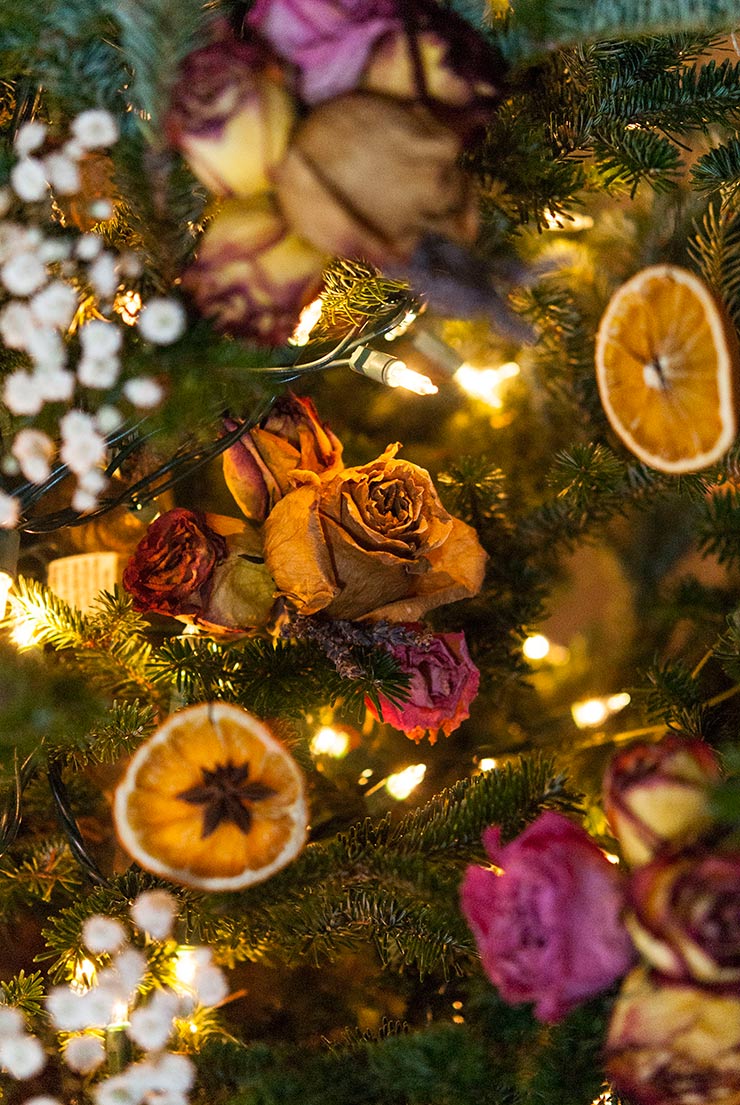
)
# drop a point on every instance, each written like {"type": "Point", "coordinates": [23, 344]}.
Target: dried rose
{"type": "Point", "coordinates": [172, 567]}
{"type": "Point", "coordinates": [547, 926]}
{"type": "Point", "coordinates": [659, 793]}
{"type": "Point", "coordinates": [241, 595]}
{"type": "Point", "coordinates": [444, 681]}
{"type": "Point", "coordinates": [373, 542]}
{"type": "Point", "coordinates": [368, 176]}
{"type": "Point", "coordinates": [257, 468]}
{"type": "Point", "coordinates": [230, 117]}
{"type": "Point", "coordinates": [685, 916]}
{"type": "Point", "coordinates": [251, 275]}
{"type": "Point", "coordinates": [327, 40]}
{"type": "Point", "coordinates": [674, 1044]}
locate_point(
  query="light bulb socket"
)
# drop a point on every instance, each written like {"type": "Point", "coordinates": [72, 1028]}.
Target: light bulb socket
{"type": "Point", "coordinates": [373, 364]}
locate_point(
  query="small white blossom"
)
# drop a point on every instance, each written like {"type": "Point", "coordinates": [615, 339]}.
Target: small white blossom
{"type": "Point", "coordinates": [63, 174]}
{"type": "Point", "coordinates": [16, 324]}
{"type": "Point", "coordinates": [52, 250]}
{"type": "Point", "coordinates": [33, 450]}
{"type": "Point", "coordinates": [66, 1009]}
{"type": "Point", "coordinates": [88, 247]}
{"type": "Point", "coordinates": [84, 1053]}
{"type": "Point", "coordinates": [14, 238]}
{"type": "Point", "coordinates": [22, 1056]}
{"type": "Point", "coordinates": [29, 137]}
{"type": "Point", "coordinates": [129, 264]}
{"type": "Point", "coordinates": [93, 481]}
{"type": "Point", "coordinates": [10, 510]}
{"type": "Point", "coordinates": [23, 274]}
{"type": "Point", "coordinates": [9, 466]}
{"type": "Point", "coordinates": [83, 447]}
{"type": "Point", "coordinates": [55, 305]}
{"type": "Point", "coordinates": [103, 275]}
{"type": "Point", "coordinates": [100, 338]}
{"type": "Point", "coordinates": [211, 985]}
{"type": "Point", "coordinates": [117, 1090]}
{"type": "Point", "coordinates": [83, 501]}
{"type": "Point", "coordinates": [103, 934]}
{"type": "Point", "coordinates": [21, 393]}
{"type": "Point", "coordinates": [12, 1022]}
{"type": "Point", "coordinates": [101, 209]}
{"type": "Point", "coordinates": [107, 419]}
{"type": "Point", "coordinates": [143, 392]}
{"type": "Point", "coordinates": [130, 967]}
{"type": "Point", "coordinates": [171, 1070]}
{"type": "Point", "coordinates": [6, 200]}
{"type": "Point", "coordinates": [54, 385]}
{"type": "Point", "coordinates": [100, 1002]}
{"type": "Point", "coordinates": [98, 372]}
{"type": "Point", "coordinates": [28, 180]}
{"type": "Point", "coordinates": [154, 912]}
{"type": "Point", "coordinates": [166, 1097]}
{"type": "Point", "coordinates": [42, 1099]}
{"type": "Point", "coordinates": [162, 321]}
{"type": "Point", "coordinates": [73, 150]}
{"type": "Point", "coordinates": [151, 1025]}
{"type": "Point", "coordinates": [95, 129]}
{"type": "Point", "coordinates": [46, 349]}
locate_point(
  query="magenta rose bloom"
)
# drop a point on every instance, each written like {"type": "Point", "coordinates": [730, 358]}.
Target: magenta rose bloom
{"type": "Point", "coordinates": [329, 41]}
{"type": "Point", "coordinates": [685, 916]}
{"type": "Point", "coordinates": [172, 567]}
{"type": "Point", "coordinates": [548, 926]}
{"type": "Point", "coordinates": [444, 681]}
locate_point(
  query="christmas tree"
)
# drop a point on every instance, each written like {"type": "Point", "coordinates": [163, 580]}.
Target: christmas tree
{"type": "Point", "coordinates": [369, 525]}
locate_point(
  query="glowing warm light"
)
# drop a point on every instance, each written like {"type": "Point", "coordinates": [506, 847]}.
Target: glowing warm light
{"type": "Point", "coordinates": [118, 1014]}
{"type": "Point", "coordinates": [590, 712]}
{"type": "Point", "coordinates": [193, 1027]}
{"type": "Point", "coordinates": [128, 305]}
{"type": "Point", "coordinates": [83, 976]}
{"type": "Point", "coordinates": [484, 383]}
{"type": "Point", "coordinates": [617, 702]}
{"type": "Point", "coordinates": [568, 222]}
{"type": "Point", "coordinates": [186, 966]}
{"type": "Point", "coordinates": [536, 647]}
{"type": "Point", "coordinates": [330, 742]}
{"type": "Point", "coordinates": [487, 763]}
{"type": "Point", "coordinates": [389, 371]}
{"type": "Point", "coordinates": [23, 634]}
{"type": "Point", "coordinates": [6, 582]}
{"type": "Point", "coordinates": [399, 375]}
{"type": "Point", "coordinates": [365, 776]}
{"type": "Point", "coordinates": [611, 857]}
{"type": "Point", "coordinates": [307, 319]}
{"type": "Point", "coordinates": [402, 326]}
{"type": "Point", "coordinates": [400, 785]}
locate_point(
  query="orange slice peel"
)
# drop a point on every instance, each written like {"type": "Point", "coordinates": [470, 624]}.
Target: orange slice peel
{"type": "Point", "coordinates": [212, 800]}
{"type": "Point", "coordinates": [666, 361]}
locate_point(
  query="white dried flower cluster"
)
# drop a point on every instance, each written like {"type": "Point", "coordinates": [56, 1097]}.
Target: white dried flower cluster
{"type": "Point", "coordinates": [21, 1054]}
{"type": "Point", "coordinates": [40, 273]}
{"type": "Point", "coordinates": [162, 1077]}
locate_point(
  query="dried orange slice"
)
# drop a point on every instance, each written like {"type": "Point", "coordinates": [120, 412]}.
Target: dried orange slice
{"type": "Point", "coordinates": [665, 362]}
{"type": "Point", "coordinates": [212, 800]}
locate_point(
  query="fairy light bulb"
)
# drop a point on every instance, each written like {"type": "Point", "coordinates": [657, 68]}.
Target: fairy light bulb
{"type": "Point", "coordinates": [390, 371]}
{"type": "Point", "coordinates": [593, 711]}
{"type": "Point", "coordinates": [23, 634]}
{"type": "Point", "coordinates": [330, 742]}
{"type": "Point", "coordinates": [83, 976]}
{"type": "Point", "coordinates": [536, 647]}
{"type": "Point", "coordinates": [400, 785]}
{"type": "Point", "coordinates": [185, 967]}
{"type": "Point", "coordinates": [487, 763]}
{"type": "Point", "coordinates": [484, 383]}
{"type": "Point", "coordinates": [307, 319]}
{"type": "Point", "coordinates": [118, 1014]}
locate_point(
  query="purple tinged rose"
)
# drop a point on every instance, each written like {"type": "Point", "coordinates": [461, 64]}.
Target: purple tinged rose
{"type": "Point", "coordinates": [172, 567]}
{"type": "Point", "coordinates": [329, 41]}
{"type": "Point", "coordinates": [684, 916]}
{"type": "Point", "coordinates": [548, 925]}
{"type": "Point", "coordinates": [444, 681]}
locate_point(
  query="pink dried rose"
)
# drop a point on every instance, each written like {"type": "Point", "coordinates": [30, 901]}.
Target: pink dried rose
{"type": "Point", "coordinates": [370, 176]}
{"type": "Point", "coordinates": [258, 467]}
{"type": "Point", "coordinates": [327, 40]}
{"type": "Point", "coordinates": [658, 794]}
{"type": "Point", "coordinates": [252, 275]}
{"type": "Point", "coordinates": [230, 117]}
{"type": "Point", "coordinates": [670, 1043]}
{"type": "Point", "coordinates": [684, 915]}
{"type": "Point", "coordinates": [444, 681]}
{"type": "Point", "coordinates": [548, 926]}
{"type": "Point", "coordinates": [172, 567]}
{"type": "Point", "coordinates": [374, 542]}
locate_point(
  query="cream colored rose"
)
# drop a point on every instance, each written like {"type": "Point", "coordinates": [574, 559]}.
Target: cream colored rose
{"type": "Point", "coordinates": [374, 542]}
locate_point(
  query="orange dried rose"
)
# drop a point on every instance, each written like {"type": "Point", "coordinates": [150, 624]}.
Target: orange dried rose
{"type": "Point", "coordinates": [374, 542]}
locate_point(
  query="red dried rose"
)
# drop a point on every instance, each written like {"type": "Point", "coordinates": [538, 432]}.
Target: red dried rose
{"type": "Point", "coordinates": [172, 567]}
{"type": "Point", "coordinates": [444, 681]}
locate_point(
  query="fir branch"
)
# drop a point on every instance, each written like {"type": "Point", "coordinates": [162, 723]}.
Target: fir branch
{"type": "Point", "coordinates": [124, 729]}
{"type": "Point", "coordinates": [675, 697]}
{"type": "Point", "coordinates": [718, 528]}
{"type": "Point", "coordinates": [718, 170]}
{"type": "Point", "coordinates": [25, 992]}
{"type": "Point", "coordinates": [38, 875]}
{"type": "Point", "coordinates": [680, 99]}
{"type": "Point", "coordinates": [626, 158]}
{"type": "Point", "coordinates": [715, 248]}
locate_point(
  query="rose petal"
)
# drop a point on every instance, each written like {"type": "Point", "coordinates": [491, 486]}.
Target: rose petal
{"type": "Point", "coordinates": [296, 551]}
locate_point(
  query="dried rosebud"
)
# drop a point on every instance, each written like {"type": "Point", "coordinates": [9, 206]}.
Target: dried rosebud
{"type": "Point", "coordinates": [373, 542]}
{"type": "Point", "coordinates": [368, 176]}
{"type": "Point", "coordinates": [258, 467]}
{"type": "Point", "coordinates": [171, 569]}
{"type": "Point", "coordinates": [655, 794]}
{"type": "Point", "coordinates": [230, 117]}
{"type": "Point", "coordinates": [685, 916]}
{"type": "Point", "coordinates": [327, 40]}
{"type": "Point", "coordinates": [252, 275]}
{"type": "Point", "coordinates": [674, 1044]}
{"type": "Point", "coordinates": [444, 681]}
{"type": "Point", "coordinates": [242, 591]}
{"type": "Point", "coordinates": [548, 925]}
